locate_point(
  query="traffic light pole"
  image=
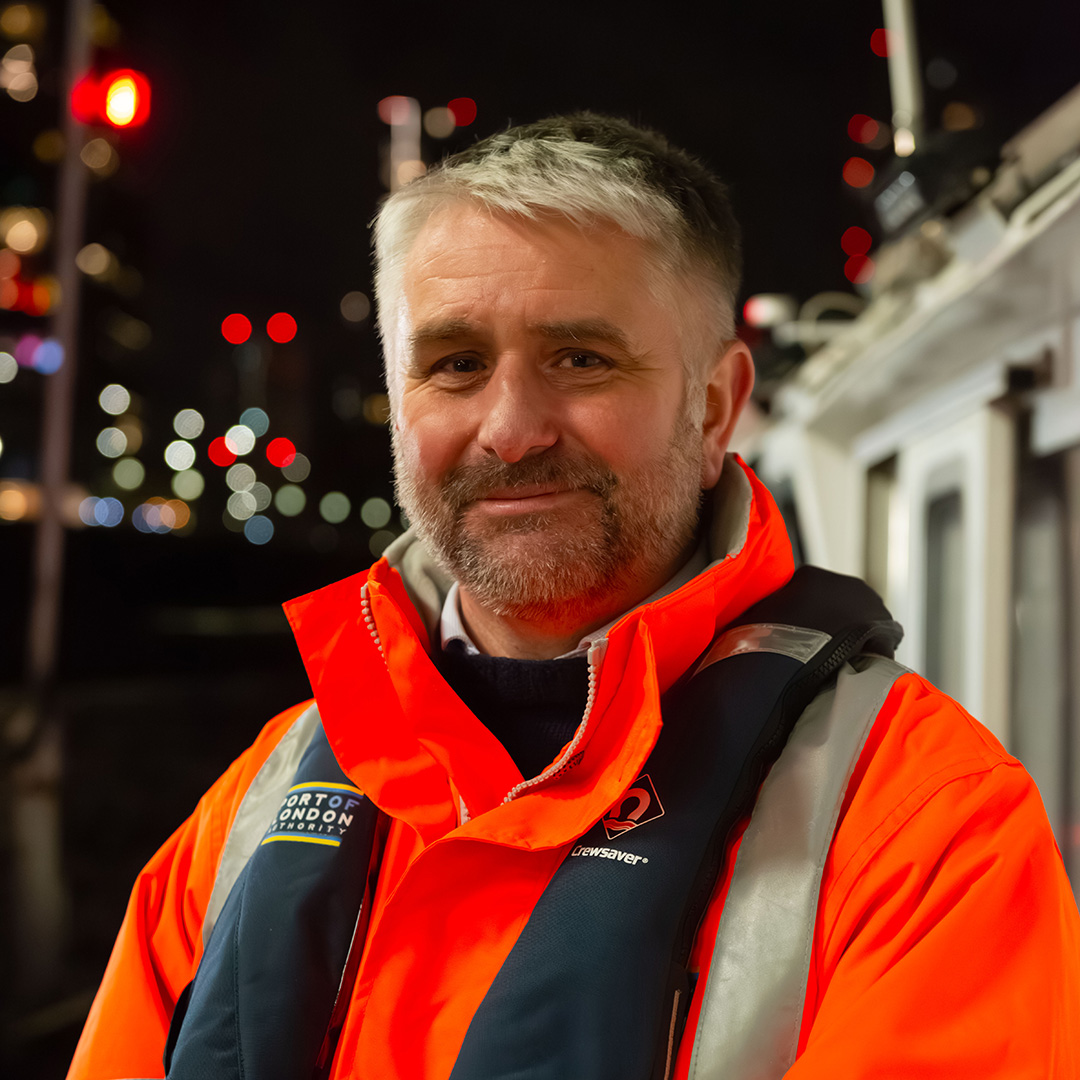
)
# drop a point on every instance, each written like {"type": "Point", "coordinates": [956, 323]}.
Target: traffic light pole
{"type": "Point", "coordinates": [35, 735]}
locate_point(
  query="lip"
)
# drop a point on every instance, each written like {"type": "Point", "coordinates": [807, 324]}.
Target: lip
{"type": "Point", "coordinates": [525, 499]}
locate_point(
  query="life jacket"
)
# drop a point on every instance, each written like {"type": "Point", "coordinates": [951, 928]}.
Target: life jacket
{"type": "Point", "coordinates": [597, 983]}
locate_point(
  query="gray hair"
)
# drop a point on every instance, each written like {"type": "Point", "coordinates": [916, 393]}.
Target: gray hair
{"type": "Point", "coordinates": [585, 168]}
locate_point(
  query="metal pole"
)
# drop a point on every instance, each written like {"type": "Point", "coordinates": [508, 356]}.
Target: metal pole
{"type": "Point", "coordinates": [905, 81]}
{"type": "Point", "coordinates": [35, 733]}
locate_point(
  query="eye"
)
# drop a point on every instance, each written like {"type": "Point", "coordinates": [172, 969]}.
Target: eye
{"type": "Point", "coordinates": [455, 366]}
{"type": "Point", "coordinates": [581, 360]}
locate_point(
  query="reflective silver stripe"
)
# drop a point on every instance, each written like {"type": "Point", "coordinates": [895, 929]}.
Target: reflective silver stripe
{"type": "Point", "coordinates": [752, 1006]}
{"type": "Point", "coordinates": [257, 807]}
{"type": "Point", "coordinates": [798, 642]}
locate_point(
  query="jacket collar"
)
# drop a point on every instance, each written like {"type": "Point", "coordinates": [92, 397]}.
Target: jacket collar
{"type": "Point", "coordinates": [410, 743]}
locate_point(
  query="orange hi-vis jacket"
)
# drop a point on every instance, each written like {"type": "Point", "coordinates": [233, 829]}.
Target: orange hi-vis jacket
{"type": "Point", "coordinates": [946, 941]}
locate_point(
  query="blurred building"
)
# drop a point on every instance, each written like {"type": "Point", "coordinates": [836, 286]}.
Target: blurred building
{"type": "Point", "coordinates": [932, 444]}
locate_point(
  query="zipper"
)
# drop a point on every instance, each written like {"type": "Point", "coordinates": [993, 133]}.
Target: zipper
{"type": "Point", "coordinates": [369, 620]}
{"type": "Point", "coordinates": [566, 759]}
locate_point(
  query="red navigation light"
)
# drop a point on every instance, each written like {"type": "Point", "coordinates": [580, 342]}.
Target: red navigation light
{"type": "Point", "coordinates": [856, 241]}
{"type": "Point", "coordinates": [879, 42]}
{"type": "Point", "coordinates": [118, 98]}
{"type": "Point", "coordinates": [219, 452]}
{"type": "Point", "coordinates": [281, 327]}
{"type": "Point", "coordinates": [236, 328]}
{"type": "Point", "coordinates": [280, 452]}
{"type": "Point", "coordinates": [863, 128]}
{"type": "Point", "coordinates": [463, 110]}
{"type": "Point", "coordinates": [125, 98]}
{"type": "Point", "coordinates": [858, 172]}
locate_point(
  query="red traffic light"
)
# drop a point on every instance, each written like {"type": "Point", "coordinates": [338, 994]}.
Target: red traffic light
{"type": "Point", "coordinates": [118, 98]}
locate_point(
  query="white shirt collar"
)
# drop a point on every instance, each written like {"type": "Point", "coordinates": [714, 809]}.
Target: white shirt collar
{"type": "Point", "coordinates": [452, 627]}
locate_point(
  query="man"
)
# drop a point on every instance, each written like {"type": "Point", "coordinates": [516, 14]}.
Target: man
{"type": "Point", "coordinates": [510, 839]}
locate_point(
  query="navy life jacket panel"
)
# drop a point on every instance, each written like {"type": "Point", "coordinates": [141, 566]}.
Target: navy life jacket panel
{"type": "Point", "coordinates": [597, 983]}
{"type": "Point", "coordinates": [260, 1004]}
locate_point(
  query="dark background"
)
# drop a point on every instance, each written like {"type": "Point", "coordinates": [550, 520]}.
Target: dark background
{"type": "Point", "coordinates": [250, 190]}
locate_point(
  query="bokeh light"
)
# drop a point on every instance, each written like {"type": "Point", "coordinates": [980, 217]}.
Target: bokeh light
{"type": "Point", "coordinates": [48, 357]}
{"type": "Point", "coordinates": [879, 42]}
{"type": "Point", "coordinates": [941, 73]}
{"type": "Point", "coordinates": [241, 505]}
{"type": "Point", "coordinates": [122, 101]}
{"type": "Point", "coordinates": [298, 470]}
{"type": "Point", "coordinates": [281, 327]}
{"type": "Point", "coordinates": [240, 439]}
{"type": "Point", "coordinates": [109, 512]}
{"type": "Point", "coordinates": [375, 512]}
{"type": "Point", "coordinates": [179, 455]}
{"type": "Point", "coordinates": [16, 500]}
{"type": "Point", "coordinates": [262, 495]}
{"type": "Point", "coordinates": [114, 399]}
{"type": "Point", "coordinates": [158, 515]}
{"type": "Point", "coordinates": [858, 172]}
{"type": "Point", "coordinates": [100, 157]}
{"type": "Point", "coordinates": [128, 473]}
{"type": "Point", "coordinates": [380, 541]}
{"type": "Point", "coordinates": [355, 306]}
{"type": "Point", "coordinates": [22, 21]}
{"type": "Point", "coordinates": [334, 507]}
{"type": "Point", "coordinates": [111, 442]}
{"type": "Point", "coordinates": [859, 269]}
{"type": "Point", "coordinates": [132, 430]}
{"type": "Point", "coordinates": [289, 500]}
{"type": "Point", "coordinates": [240, 477]}
{"type": "Point", "coordinates": [25, 229]}
{"type": "Point", "coordinates": [220, 453]}
{"type": "Point", "coordinates": [236, 328]}
{"type": "Point", "coordinates": [280, 452]}
{"type": "Point", "coordinates": [439, 122]}
{"type": "Point", "coordinates": [256, 419]}
{"type": "Point", "coordinates": [395, 109]}
{"type": "Point", "coordinates": [9, 367]}
{"type": "Point", "coordinates": [958, 116]}
{"type": "Point", "coordinates": [188, 484]}
{"type": "Point", "coordinates": [856, 241]}
{"type": "Point", "coordinates": [463, 110]}
{"type": "Point", "coordinates": [258, 529]}
{"type": "Point", "coordinates": [86, 510]}
{"type": "Point", "coordinates": [188, 424]}
{"type": "Point", "coordinates": [862, 128]}
{"type": "Point", "coordinates": [95, 260]}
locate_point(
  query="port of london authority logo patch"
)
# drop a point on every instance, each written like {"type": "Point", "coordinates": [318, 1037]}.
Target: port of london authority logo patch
{"type": "Point", "coordinates": [318, 812]}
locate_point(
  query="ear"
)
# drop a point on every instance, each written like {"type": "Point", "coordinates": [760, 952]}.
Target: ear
{"type": "Point", "coordinates": [726, 393]}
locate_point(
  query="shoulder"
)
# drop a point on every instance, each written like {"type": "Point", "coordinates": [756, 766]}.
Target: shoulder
{"type": "Point", "coordinates": [926, 758]}
{"type": "Point", "coordinates": [935, 803]}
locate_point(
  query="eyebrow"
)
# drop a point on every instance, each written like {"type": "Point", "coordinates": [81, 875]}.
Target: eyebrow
{"type": "Point", "coordinates": [440, 331]}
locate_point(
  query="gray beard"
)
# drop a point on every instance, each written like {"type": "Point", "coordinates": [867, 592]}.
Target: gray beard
{"type": "Point", "coordinates": [536, 566]}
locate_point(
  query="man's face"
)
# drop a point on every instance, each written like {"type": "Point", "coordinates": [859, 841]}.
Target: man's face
{"type": "Point", "coordinates": [542, 446]}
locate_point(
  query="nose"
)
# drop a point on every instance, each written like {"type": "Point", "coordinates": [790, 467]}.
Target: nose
{"type": "Point", "coordinates": [519, 417]}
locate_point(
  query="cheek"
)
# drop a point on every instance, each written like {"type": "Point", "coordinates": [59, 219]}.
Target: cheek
{"type": "Point", "coordinates": [426, 445]}
{"type": "Point", "coordinates": [627, 434]}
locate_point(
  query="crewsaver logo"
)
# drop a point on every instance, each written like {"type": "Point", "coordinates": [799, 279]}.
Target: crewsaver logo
{"type": "Point", "coordinates": [638, 805]}
{"type": "Point", "coordinates": [315, 813]}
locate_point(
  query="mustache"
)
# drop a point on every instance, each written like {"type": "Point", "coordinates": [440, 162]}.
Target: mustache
{"type": "Point", "coordinates": [467, 483]}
